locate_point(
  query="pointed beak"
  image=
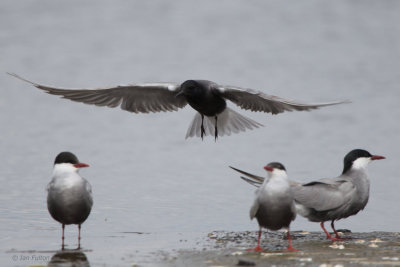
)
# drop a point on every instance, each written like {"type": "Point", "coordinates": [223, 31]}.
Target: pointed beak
{"type": "Point", "coordinates": [81, 165]}
{"type": "Point", "coordinates": [376, 157]}
{"type": "Point", "coordinates": [268, 168]}
{"type": "Point", "coordinates": [179, 93]}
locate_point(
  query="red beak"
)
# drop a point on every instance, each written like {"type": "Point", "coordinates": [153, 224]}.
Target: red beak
{"type": "Point", "coordinates": [376, 157]}
{"type": "Point", "coordinates": [268, 168]}
{"type": "Point", "coordinates": [81, 165]}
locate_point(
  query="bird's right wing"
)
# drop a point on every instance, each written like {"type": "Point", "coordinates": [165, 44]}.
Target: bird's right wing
{"type": "Point", "coordinates": [138, 98]}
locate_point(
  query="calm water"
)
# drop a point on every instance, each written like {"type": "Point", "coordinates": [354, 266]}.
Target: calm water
{"type": "Point", "coordinates": [145, 176]}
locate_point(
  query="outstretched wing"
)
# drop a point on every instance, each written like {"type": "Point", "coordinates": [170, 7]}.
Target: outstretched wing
{"type": "Point", "coordinates": [138, 98]}
{"type": "Point", "coordinates": [258, 101]}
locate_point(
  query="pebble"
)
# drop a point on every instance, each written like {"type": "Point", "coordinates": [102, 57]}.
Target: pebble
{"type": "Point", "coordinates": [336, 246]}
{"type": "Point", "coordinates": [390, 258]}
{"type": "Point", "coordinates": [245, 263]}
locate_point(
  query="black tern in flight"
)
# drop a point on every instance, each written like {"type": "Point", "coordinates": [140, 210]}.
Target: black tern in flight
{"type": "Point", "coordinates": [206, 97]}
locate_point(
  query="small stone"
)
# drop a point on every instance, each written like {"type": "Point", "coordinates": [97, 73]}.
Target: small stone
{"type": "Point", "coordinates": [264, 254]}
{"type": "Point", "coordinates": [306, 259]}
{"type": "Point", "coordinates": [336, 246]}
{"type": "Point", "coordinates": [390, 258]}
{"type": "Point", "coordinates": [245, 263]}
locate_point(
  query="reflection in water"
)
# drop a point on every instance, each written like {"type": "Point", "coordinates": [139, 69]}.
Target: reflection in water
{"type": "Point", "coordinates": [65, 258]}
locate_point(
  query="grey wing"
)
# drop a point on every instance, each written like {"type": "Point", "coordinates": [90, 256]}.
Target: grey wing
{"type": "Point", "coordinates": [88, 188]}
{"type": "Point", "coordinates": [254, 209]}
{"type": "Point", "coordinates": [258, 101]}
{"type": "Point", "coordinates": [49, 185]}
{"type": "Point", "coordinates": [323, 196]}
{"type": "Point", "coordinates": [143, 98]}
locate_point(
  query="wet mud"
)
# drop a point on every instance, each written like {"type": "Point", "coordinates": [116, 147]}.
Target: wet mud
{"type": "Point", "coordinates": [221, 248]}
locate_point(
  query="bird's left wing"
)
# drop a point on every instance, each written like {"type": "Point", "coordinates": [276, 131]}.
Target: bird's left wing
{"type": "Point", "coordinates": [325, 194]}
{"type": "Point", "coordinates": [138, 98]}
{"type": "Point", "coordinates": [258, 101]}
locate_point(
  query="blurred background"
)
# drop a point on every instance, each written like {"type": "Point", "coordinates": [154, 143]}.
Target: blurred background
{"type": "Point", "coordinates": [145, 176]}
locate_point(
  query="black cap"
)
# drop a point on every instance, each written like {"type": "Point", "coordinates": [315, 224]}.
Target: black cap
{"type": "Point", "coordinates": [352, 156]}
{"type": "Point", "coordinates": [66, 157]}
{"type": "Point", "coordinates": [276, 165]}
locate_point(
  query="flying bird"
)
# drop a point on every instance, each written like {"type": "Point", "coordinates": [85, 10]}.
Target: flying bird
{"type": "Point", "coordinates": [274, 206]}
{"type": "Point", "coordinates": [331, 199]}
{"type": "Point", "coordinates": [206, 97]}
{"type": "Point", "coordinates": [69, 198]}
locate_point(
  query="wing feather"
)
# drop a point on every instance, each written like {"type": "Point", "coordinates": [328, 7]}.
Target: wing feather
{"type": "Point", "coordinates": [258, 101]}
{"type": "Point", "coordinates": [143, 98]}
{"type": "Point", "coordinates": [322, 195]}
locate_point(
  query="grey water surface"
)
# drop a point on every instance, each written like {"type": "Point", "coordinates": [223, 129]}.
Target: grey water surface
{"type": "Point", "coordinates": [154, 191]}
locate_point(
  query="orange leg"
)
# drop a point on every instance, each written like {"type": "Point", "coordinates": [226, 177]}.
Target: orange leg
{"type": "Point", "coordinates": [336, 233]}
{"type": "Point", "coordinates": [328, 235]}
{"type": "Point", "coordinates": [258, 248]}
{"type": "Point", "coordinates": [290, 248]}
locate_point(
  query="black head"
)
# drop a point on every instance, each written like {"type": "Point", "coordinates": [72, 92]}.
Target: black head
{"type": "Point", "coordinates": [354, 155]}
{"type": "Point", "coordinates": [274, 165]}
{"type": "Point", "coordinates": [196, 88]}
{"type": "Point", "coordinates": [191, 88]}
{"type": "Point", "coordinates": [66, 157]}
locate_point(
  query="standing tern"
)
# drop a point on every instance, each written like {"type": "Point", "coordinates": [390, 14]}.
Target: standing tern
{"type": "Point", "coordinates": [69, 198]}
{"type": "Point", "coordinates": [332, 199]}
{"type": "Point", "coordinates": [273, 206]}
{"type": "Point", "coordinates": [206, 97]}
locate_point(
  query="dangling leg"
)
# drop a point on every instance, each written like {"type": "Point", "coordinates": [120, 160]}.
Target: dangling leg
{"type": "Point", "coordinates": [79, 236]}
{"type": "Point", "coordinates": [203, 131]}
{"type": "Point", "coordinates": [216, 128]}
{"type": "Point", "coordinates": [328, 235]}
{"type": "Point", "coordinates": [290, 248]}
{"type": "Point", "coordinates": [336, 233]}
{"type": "Point", "coordinates": [258, 248]}
{"type": "Point", "coordinates": [62, 238]}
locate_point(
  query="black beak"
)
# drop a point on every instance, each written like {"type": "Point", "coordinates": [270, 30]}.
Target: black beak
{"type": "Point", "coordinates": [179, 93]}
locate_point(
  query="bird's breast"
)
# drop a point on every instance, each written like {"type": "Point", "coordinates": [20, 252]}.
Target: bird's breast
{"type": "Point", "coordinates": [208, 105]}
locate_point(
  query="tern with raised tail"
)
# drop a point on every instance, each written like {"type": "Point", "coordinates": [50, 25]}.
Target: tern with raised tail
{"type": "Point", "coordinates": [331, 199]}
{"type": "Point", "coordinates": [207, 98]}
{"type": "Point", "coordinates": [273, 206]}
{"type": "Point", "coordinates": [69, 198]}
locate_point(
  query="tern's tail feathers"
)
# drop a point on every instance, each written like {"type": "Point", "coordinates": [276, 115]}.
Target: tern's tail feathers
{"type": "Point", "coordinates": [228, 122]}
